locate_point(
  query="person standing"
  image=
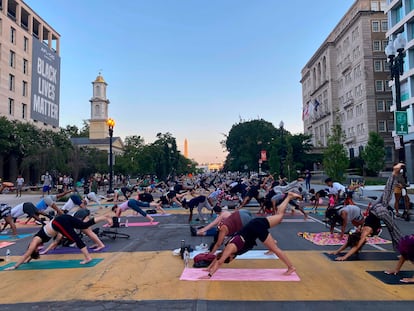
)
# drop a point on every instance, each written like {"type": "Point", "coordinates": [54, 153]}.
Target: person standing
{"type": "Point", "coordinates": [47, 184]}
{"type": "Point", "coordinates": [19, 185]}
{"type": "Point", "coordinates": [308, 177]}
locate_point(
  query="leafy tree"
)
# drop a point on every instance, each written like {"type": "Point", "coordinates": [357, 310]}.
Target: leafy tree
{"type": "Point", "coordinates": [335, 159]}
{"type": "Point", "coordinates": [374, 153]}
{"type": "Point", "coordinates": [245, 142]}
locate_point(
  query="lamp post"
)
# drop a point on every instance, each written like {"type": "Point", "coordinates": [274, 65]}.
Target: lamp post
{"type": "Point", "coordinates": [282, 150]}
{"type": "Point", "coordinates": [395, 54]}
{"type": "Point", "coordinates": [111, 123]}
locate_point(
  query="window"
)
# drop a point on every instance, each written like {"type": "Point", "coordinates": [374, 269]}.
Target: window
{"type": "Point", "coordinates": [387, 86]}
{"type": "Point", "coordinates": [26, 44]}
{"type": "Point", "coordinates": [24, 88]}
{"type": "Point", "coordinates": [380, 106]}
{"type": "Point", "coordinates": [390, 125]}
{"type": "Point", "coordinates": [12, 35]}
{"type": "Point", "coordinates": [382, 126]}
{"type": "Point", "coordinates": [12, 61]}
{"type": "Point", "coordinates": [24, 111]}
{"type": "Point", "coordinates": [379, 86]}
{"type": "Point", "coordinates": [376, 46]}
{"type": "Point", "coordinates": [388, 104]}
{"type": "Point", "coordinates": [11, 106]}
{"type": "Point", "coordinates": [384, 44]}
{"type": "Point", "coordinates": [25, 66]}
{"type": "Point", "coordinates": [375, 26]}
{"type": "Point", "coordinates": [386, 65]}
{"type": "Point", "coordinates": [11, 82]}
{"type": "Point", "coordinates": [384, 25]}
{"type": "Point", "coordinates": [351, 153]}
{"type": "Point", "coordinates": [374, 6]}
{"type": "Point", "coordinates": [377, 65]}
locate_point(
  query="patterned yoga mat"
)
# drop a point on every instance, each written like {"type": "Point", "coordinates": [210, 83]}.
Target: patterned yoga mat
{"type": "Point", "coordinates": [325, 238]}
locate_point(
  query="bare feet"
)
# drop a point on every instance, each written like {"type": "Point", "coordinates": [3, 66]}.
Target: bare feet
{"type": "Point", "coordinates": [87, 260]}
{"type": "Point", "coordinates": [289, 271]}
{"type": "Point", "coordinates": [407, 280]}
{"type": "Point", "coordinates": [97, 249]}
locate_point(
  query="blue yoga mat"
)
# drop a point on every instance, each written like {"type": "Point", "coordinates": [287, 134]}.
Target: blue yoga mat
{"type": "Point", "coordinates": [13, 237]}
{"type": "Point", "coordinates": [54, 264]}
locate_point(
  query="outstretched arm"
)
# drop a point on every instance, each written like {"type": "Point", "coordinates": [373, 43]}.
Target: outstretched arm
{"type": "Point", "coordinates": [36, 241]}
{"type": "Point", "coordinates": [397, 267]}
{"type": "Point", "coordinates": [220, 239]}
{"type": "Point", "coordinates": [364, 234]}
{"type": "Point", "coordinates": [212, 224]}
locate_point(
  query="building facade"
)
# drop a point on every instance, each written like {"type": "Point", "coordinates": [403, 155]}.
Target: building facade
{"type": "Point", "coordinates": [29, 66]}
{"type": "Point", "coordinates": [400, 15]}
{"type": "Point", "coordinates": [345, 82]}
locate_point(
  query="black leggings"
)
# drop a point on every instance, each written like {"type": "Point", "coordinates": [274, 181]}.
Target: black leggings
{"type": "Point", "coordinates": [66, 225]}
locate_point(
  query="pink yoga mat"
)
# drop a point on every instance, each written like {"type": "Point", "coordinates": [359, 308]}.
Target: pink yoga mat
{"type": "Point", "coordinates": [136, 224]}
{"type": "Point", "coordinates": [5, 244]}
{"type": "Point", "coordinates": [325, 238]}
{"type": "Point", "coordinates": [152, 215]}
{"type": "Point", "coordinates": [275, 275]}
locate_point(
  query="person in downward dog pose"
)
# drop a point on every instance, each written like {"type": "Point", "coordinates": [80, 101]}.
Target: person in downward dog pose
{"type": "Point", "coordinates": [66, 225]}
{"type": "Point", "coordinates": [245, 239]}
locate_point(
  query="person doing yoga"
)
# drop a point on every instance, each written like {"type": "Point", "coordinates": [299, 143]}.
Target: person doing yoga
{"type": "Point", "coordinates": [372, 226]}
{"type": "Point", "coordinates": [66, 225]}
{"type": "Point", "coordinates": [245, 239]}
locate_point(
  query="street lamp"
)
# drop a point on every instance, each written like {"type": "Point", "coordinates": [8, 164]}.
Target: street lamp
{"type": "Point", "coordinates": [282, 150]}
{"type": "Point", "coordinates": [111, 123]}
{"type": "Point", "coordinates": [395, 54]}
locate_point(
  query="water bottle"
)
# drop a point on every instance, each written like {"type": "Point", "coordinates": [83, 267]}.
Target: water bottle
{"type": "Point", "coordinates": [8, 254]}
{"type": "Point", "coordinates": [186, 257]}
{"type": "Point", "coordinates": [182, 244]}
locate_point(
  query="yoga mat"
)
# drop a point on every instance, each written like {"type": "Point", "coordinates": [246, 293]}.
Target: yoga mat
{"type": "Point", "coordinates": [14, 237]}
{"type": "Point", "coordinates": [72, 250]}
{"type": "Point", "coordinates": [297, 220]}
{"type": "Point", "coordinates": [152, 215]}
{"type": "Point", "coordinates": [392, 279]}
{"type": "Point", "coordinates": [253, 254]}
{"type": "Point", "coordinates": [197, 274]}
{"type": "Point", "coordinates": [325, 238]}
{"type": "Point", "coordinates": [53, 264]}
{"type": "Point", "coordinates": [135, 224]}
{"type": "Point", "coordinates": [5, 244]}
{"type": "Point", "coordinates": [366, 256]}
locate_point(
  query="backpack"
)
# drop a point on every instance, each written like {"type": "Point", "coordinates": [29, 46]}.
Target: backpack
{"type": "Point", "coordinates": [203, 260]}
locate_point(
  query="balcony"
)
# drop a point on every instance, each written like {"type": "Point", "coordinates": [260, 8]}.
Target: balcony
{"type": "Point", "coordinates": [348, 102]}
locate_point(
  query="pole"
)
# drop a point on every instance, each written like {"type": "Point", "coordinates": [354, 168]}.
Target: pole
{"type": "Point", "coordinates": [111, 133]}
{"type": "Point", "coordinates": [396, 71]}
{"type": "Point", "coordinates": [282, 154]}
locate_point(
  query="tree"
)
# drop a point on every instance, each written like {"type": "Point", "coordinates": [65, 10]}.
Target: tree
{"type": "Point", "coordinates": [245, 142]}
{"type": "Point", "coordinates": [374, 153]}
{"type": "Point", "coordinates": [335, 159]}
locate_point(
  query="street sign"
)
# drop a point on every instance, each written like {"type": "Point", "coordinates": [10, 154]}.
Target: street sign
{"type": "Point", "coordinates": [397, 142]}
{"type": "Point", "coordinates": [401, 122]}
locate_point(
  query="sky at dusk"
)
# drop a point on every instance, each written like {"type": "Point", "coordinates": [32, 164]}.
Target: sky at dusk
{"type": "Point", "coordinates": [192, 68]}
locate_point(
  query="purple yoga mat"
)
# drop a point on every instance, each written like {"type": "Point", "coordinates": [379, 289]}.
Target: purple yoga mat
{"type": "Point", "coordinates": [275, 275]}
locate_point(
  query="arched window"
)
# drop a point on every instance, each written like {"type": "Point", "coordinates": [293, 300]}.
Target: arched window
{"type": "Point", "coordinates": [314, 79]}
{"type": "Point", "coordinates": [319, 74]}
{"type": "Point", "coordinates": [324, 78]}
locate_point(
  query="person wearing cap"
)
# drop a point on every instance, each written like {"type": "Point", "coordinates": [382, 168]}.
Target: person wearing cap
{"type": "Point", "coordinates": [211, 228]}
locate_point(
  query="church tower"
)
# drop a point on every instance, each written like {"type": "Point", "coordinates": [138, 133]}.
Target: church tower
{"type": "Point", "coordinates": [98, 128]}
